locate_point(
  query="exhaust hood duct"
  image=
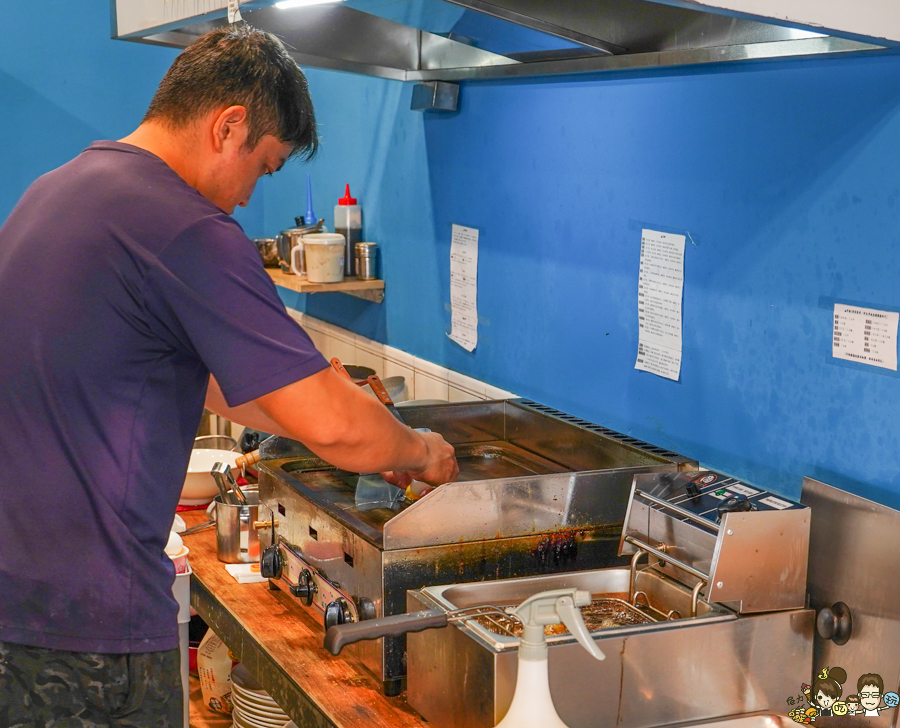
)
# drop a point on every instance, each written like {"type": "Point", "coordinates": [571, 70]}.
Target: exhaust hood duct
{"type": "Point", "coordinates": [469, 40]}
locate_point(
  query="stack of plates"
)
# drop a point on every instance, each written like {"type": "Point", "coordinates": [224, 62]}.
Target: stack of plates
{"type": "Point", "coordinates": [253, 707]}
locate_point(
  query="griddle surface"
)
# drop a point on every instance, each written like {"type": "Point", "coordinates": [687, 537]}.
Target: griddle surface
{"type": "Point", "coordinates": [334, 489]}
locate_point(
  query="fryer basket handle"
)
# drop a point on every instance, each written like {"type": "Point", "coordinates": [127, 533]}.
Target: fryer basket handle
{"type": "Point", "coordinates": [340, 635]}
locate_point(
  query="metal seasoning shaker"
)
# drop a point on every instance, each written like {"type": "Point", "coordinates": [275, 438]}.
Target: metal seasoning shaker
{"type": "Point", "coordinates": [366, 259]}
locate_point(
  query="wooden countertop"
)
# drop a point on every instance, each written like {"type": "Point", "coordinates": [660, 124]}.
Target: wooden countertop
{"type": "Point", "coordinates": [280, 643]}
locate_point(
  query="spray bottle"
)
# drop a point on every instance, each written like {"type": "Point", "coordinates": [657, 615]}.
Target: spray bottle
{"type": "Point", "coordinates": [532, 706]}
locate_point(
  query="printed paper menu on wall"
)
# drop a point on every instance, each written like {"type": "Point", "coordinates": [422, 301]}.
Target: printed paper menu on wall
{"type": "Point", "coordinates": [660, 287]}
{"type": "Point", "coordinates": [865, 335]}
{"type": "Point", "coordinates": [464, 287]}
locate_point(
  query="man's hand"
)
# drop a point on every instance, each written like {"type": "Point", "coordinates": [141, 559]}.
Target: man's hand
{"type": "Point", "coordinates": [442, 466]}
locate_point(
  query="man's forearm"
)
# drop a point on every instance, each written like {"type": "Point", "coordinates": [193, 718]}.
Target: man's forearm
{"type": "Point", "coordinates": [344, 425]}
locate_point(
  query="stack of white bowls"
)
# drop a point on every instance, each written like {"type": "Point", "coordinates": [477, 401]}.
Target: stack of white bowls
{"type": "Point", "coordinates": [253, 707]}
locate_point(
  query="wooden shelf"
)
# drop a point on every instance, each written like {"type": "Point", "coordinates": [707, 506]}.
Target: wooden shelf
{"type": "Point", "coordinates": [367, 290]}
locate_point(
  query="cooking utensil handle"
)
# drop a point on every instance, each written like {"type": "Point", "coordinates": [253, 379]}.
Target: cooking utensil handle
{"type": "Point", "coordinates": [340, 369]}
{"type": "Point", "coordinates": [380, 390]}
{"type": "Point", "coordinates": [339, 636]}
{"type": "Point", "coordinates": [235, 488]}
{"type": "Point", "coordinates": [245, 461]}
{"type": "Point", "coordinates": [219, 477]}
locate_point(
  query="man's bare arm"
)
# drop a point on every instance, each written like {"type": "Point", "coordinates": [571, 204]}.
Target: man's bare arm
{"type": "Point", "coordinates": [248, 415]}
{"type": "Point", "coordinates": [344, 426]}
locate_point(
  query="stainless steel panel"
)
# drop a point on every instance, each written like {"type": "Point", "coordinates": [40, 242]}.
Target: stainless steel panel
{"type": "Point", "coordinates": [360, 574]}
{"type": "Point", "coordinates": [755, 560]}
{"type": "Point", "coordinates": [761, 563]}
{"type": "Point", "coordinates": [513, 507]}
{"type": "Point", "coordinates": [763, 720]}
{"type": "Point", "coordinates": [577, 36]}
{"type": "Point", "coordinates": [854, 557]}
{"type": "Point", "coordinates": [705, 671]}
{"type": "Point", "coordinates": [653, 675]}
{"type": "Point", "coordinates": [801, 48]}
{"type": "Point", "coordinates": [633, 26]}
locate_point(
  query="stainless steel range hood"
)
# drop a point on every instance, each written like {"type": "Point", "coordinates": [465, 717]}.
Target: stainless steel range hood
{"type": "Point", "coordinates": [436, 40]}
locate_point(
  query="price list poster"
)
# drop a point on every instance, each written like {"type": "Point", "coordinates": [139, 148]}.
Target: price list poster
{"type": "Point", "coordinates": [865, 335]}
{"type": "Point", "coordinates": [660, 288]}
{"type": "Point", "coordinates": [464, 287]}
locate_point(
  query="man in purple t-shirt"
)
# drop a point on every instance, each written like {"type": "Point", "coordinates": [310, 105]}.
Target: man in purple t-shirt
{"type": "Point", "coordinates": [133, 299]}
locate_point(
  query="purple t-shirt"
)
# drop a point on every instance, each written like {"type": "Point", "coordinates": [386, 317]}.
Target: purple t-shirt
{"type": "Point", "coordinates": [121, 289]}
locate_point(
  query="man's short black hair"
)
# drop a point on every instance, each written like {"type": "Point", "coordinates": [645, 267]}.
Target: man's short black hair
{"type": "Point", "coordinates": [237, 65]}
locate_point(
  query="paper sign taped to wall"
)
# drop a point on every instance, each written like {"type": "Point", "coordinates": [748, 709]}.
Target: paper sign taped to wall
{"type": "Point", "coordinates": [660, 288]}
{"type": "Point", "coordinates": [865, 335]}
{"type": "Point", "coordinates": [464, 287]}
{"type": "Point", "coordinates": [234, 11]}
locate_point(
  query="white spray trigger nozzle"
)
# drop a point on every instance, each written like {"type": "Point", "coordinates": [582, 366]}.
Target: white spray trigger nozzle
{"type": "Point", "coordinates": [569, 611]}
{"type": "Point", "coordinates": [553, 607]}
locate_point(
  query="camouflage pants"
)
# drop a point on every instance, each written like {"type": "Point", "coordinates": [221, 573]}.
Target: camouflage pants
{"type": "Point", "coordinates": [41, 688]}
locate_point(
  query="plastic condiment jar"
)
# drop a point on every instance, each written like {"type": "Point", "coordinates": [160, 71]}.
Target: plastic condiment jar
{"type": "Point", "coordinates": [324, 257]}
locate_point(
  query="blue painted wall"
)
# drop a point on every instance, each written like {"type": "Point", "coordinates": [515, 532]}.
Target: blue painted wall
{"type": "Point", "coordinates": [785, 174]}
{"type": "Point", "coordinates": [787, 177]}
{"type": "Point", "coordinates": [65, 84]}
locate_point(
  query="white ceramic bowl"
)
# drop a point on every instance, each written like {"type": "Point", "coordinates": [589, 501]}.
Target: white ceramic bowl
{"type": "Point", "coordinates": [199, 486]}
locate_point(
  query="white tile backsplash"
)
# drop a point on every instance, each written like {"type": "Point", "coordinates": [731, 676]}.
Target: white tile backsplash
{"type": "Point", "coordinates": [461, 395]}
{"type": "Point", "coordinates": [491, 392]}
{"type": "Point", "coordinates": [318, 338]}
{"type": "Point", "coordinates": [434, 371]}
{"type": "Point", "coordinates": [343, 350]}
{"type": "Point", "coordinates": [373, 347]}
{"type": "Point", "coordinates": [392, 369]}
{"type": "Point", "coordinates": [467, 384]}
{"type": "Point", "coordinates": [399, 357]}
{"type": "Point", "coordinates": [431, 388]}
{"type": "Point", "coordinates": [424, 379]}
{"type": "Point", "coordinates": [366, 358]}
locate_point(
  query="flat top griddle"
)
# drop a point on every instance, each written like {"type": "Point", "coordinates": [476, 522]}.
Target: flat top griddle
{"type": "Point", "coordinates": [334, 490]}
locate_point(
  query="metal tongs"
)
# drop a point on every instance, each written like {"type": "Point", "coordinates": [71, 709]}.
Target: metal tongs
{"type": "Point", "coordinates": [229, 490]}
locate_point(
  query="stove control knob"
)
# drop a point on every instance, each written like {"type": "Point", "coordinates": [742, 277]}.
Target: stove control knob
{"type": "Point", "coordinates": [835, 624]}
{"type": "Point", "coordinates": [271, 563]}
{"type": "Point", "coordinates": [304, 589]}
{"type": "Point", "coordinates": [337, 612]}
{"type": "Point", "coordinates": [365, 608]}
{"type": "Point", "coordinates": [735, 504]}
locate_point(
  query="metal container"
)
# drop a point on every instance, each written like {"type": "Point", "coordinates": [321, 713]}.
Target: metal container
{"type": "Point", "coordinates": [685, 656]}
{"type": "Point", "coordinates": [291, 238]}
{"type": "Point", "coordinates": [539, 492]}
{"type": "Point", "coordinates": [268, 251]}
{"type": "Point", "coordinates": [366, 261]}
{"type": "Point", "coordinates": [237, 539]}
